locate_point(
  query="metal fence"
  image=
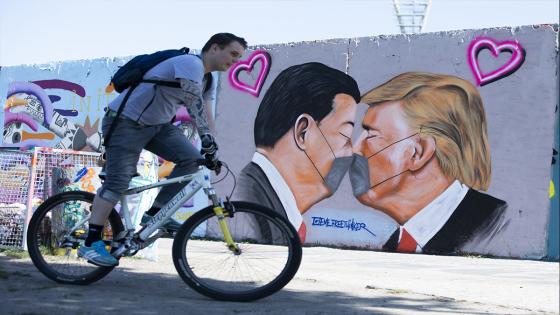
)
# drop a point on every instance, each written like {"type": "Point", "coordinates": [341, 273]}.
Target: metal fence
{"type": "Point", "coordinates": [26, 180]}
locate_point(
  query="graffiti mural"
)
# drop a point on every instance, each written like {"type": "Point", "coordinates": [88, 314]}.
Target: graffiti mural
{"type": "Point", "coordinates": [306, 116]}
{"type": "Point", "coordinates": [29, 105]}
{"type": "Point", "coordinates": [516, 60]}
{"type": "Point", "coordinates": [423, 158]}
{"type": "Point", "coordinates": [439, 152]}
{"type": "Point", "coordinates": [248, 66]}
{"type": "Point", "coordinates": [61, 105]}
{"type": "Point", "coordinates": [431, 143]}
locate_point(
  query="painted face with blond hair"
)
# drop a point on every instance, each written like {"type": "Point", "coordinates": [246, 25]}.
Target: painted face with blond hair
{"type": "Point", "coordinates": [421, 132]}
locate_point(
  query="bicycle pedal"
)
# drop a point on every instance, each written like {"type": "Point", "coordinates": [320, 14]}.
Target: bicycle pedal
{"type": "Point", "coordinates": [69, 244]}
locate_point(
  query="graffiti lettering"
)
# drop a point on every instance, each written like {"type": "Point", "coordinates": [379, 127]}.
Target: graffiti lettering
{"type": "Point", "coordinates": [350, 225]}
{"type": "Point", "coordinates": [163, 212]}
{"type": "Point", "coordinates": [34, 108]}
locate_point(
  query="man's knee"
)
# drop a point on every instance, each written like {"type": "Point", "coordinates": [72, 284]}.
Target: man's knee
{"type": "Point", "coordinates": [109, 195]}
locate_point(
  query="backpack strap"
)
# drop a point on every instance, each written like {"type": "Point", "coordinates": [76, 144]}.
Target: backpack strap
{"type": "Point", "coordinates": [209, 78]}
{"type": "Point", "coordinates": [175, 84]}
{"type": "Point", "coordinates": [119, 111]}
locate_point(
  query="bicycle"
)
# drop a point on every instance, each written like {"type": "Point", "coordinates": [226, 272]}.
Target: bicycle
{"type": "Point", "coordinates": [232, 250]}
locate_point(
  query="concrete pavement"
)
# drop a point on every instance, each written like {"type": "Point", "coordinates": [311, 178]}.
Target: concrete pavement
{"type": "Point", "coordinates": [329, 281]}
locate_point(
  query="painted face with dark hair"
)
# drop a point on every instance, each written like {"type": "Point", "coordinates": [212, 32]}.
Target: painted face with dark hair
{"type": "Point", "coordinates": [328, 144]}
{"type": "Point", "coordinates": [223, 58]}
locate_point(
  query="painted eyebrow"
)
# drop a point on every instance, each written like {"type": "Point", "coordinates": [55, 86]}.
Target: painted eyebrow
{"type": "Point", "coordinates": [351, 123]}
{"type": "Point", "coordinates": [366, 127]}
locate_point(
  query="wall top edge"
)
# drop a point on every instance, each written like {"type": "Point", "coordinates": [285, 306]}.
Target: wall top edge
{"type": "Point", "coordinates": [513, 29]}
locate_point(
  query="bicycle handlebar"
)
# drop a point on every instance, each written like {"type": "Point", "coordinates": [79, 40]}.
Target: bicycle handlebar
{"type": "Point", "coordinates": [209, 163]}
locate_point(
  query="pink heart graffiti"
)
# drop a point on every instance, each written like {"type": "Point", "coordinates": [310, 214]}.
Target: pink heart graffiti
{"type": "Point", "coordinates": [515, 61]}
{"type": "Point", "coordinates": [259, 55]}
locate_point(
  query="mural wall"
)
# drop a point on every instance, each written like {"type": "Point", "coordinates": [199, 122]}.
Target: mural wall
{"type": "Point", "coordinates": [446, 136]}
{"type": "Point", "coordinates": [61, 105]}
{"type": "Point", "coordinates": [57, 105]}
{"type": "Point", "coordinates": [452, 140]}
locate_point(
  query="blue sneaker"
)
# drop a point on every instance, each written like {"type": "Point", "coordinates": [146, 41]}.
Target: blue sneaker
{"type": "Point", "coordinates": [97, 254]}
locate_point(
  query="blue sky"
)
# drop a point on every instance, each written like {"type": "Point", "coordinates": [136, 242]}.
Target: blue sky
{"type": "Point", "coordinates": [40, 31]}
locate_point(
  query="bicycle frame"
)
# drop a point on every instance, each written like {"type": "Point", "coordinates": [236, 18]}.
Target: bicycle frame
{"type": "Point", "coordinates": [198, 180]}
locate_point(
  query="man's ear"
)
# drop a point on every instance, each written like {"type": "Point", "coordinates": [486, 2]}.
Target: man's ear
{"type": "Point", "coordinates": [424, 150]}
{"type": "Point", "coordinates": [301, 126]}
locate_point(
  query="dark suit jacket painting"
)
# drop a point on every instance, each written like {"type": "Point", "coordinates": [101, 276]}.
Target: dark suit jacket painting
{"type": "Point", "coordinates": [477, 215]}
{"type": "Point", "coordinates": [254, 186]}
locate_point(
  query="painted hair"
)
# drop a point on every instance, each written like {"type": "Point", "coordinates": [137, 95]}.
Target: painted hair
{"type": "Point", "coordinates": [224, 39]}
{"type": "Point", "coordinates": [308, 88]}
{"type": "Point", "coordinates": [450, 110]}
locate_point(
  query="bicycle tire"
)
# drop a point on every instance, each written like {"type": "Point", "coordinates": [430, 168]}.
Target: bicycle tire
{"type": "Point", "coordinates": [40, 236]}
{"type": "Point", "coordinates": [272, 230]}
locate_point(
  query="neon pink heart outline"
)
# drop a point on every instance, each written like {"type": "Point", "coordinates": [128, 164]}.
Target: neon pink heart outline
{"type": "Point", "coordinates": [248, 65]}
{"type": "Point", "coordinates": [479, 43]}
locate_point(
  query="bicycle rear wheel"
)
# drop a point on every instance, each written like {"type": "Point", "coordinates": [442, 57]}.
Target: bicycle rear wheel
{"type": "Point", "coordinates": [57, 229]}
{"type": "Point", "coordinates": [269, 257]}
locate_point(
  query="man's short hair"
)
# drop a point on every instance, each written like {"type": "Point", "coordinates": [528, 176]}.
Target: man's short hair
{"type": "Point", "coordinates": [224, 39]}
{"type": "Point", "coordinates": [450, 110]}
{"type": "Point", "coordinates": [307, 88]}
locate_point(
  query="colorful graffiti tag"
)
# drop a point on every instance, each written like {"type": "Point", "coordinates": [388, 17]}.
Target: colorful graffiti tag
{"type": "Point", "coordinates": [28, 106]}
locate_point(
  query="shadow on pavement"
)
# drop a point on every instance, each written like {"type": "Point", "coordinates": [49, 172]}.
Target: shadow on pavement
{"type": "Point", "coordinates": [128, 291]}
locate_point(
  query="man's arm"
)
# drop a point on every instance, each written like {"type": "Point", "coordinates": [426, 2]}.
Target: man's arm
{"type": "Point", "coordinates": [197, 111]}
{"type": "Point", "coordinates": [210, 116]}
{"type": "Point", "coordinates": [195, 106]}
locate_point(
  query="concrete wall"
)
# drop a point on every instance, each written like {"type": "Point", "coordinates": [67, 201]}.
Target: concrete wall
{"type": "Point", "coordinates": [519, 109]}
{"type": "Point", "coordinates": [520, 104]}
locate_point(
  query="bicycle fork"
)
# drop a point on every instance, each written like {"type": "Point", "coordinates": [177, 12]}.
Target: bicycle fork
{"type": "Point", "coordinates": [218, 208]}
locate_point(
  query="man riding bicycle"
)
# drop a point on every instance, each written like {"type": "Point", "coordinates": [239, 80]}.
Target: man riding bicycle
{"type": "Point", "coordinates": [145, 123]}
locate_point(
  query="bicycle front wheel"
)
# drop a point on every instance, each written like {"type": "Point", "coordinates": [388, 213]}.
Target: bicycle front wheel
{"type": "Point", "coordinates": [268, 258]}
{"type": "Point", "coordinates": [58, 228]}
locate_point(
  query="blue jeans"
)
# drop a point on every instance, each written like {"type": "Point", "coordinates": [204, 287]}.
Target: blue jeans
{"type": "Point", "coordinates": [124, 148]}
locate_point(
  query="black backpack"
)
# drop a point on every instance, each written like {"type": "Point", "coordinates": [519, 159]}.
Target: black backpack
{"type": "Point", "coordinates": [131, 74]}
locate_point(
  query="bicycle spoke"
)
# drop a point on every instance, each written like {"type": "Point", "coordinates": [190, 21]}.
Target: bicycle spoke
{"type": "Point", "coordinates": [57, 230]}
{"type": "Point", "coordinates": [265, 253]}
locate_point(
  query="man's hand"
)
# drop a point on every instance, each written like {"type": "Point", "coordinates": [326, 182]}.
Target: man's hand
{"type": "Point", "coordinates": [209, 146]}
{"type": "Point", "coordinates": [210, 152]}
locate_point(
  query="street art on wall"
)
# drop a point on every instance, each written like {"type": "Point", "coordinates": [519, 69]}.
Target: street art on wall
{"type": "Point", "coordinates": [306, 117]}
{"type": "Point", "coordinates": [442, 157]}
{"type": "Point", "coordinates": [432, 143]}
{"type": "Point", "coordinates": [516, 59]}
{"type": "Point", "coordinates": [423, 159]}
{"type": "Point", "coordinates": [29, 106]}
{"type": "Point", "coordinates": [249, 66]}
{"type": "Point", "coordinates": [61, 105]}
